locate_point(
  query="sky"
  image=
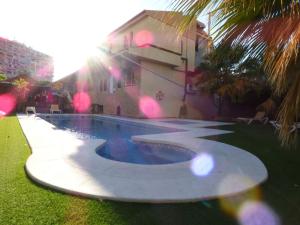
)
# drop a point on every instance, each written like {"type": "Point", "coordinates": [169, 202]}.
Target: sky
{"type": "Point", "coordinates": [68, 30]}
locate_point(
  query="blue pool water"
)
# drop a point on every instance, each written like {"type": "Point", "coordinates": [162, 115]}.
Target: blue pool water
{"type": "Point", "coordinates": [119, 145]}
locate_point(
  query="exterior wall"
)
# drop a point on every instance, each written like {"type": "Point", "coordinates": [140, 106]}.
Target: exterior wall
{"type": "Point", "coordinates": [126, 96]}
{"type": "Point", "coordinates": [201, 106]}
{"type": "Point", "coordinates": [154, 40]}
{"type": "Point", "coordinates": [151, 84]}
{"type": "Point", "coordinates": [147, 85]}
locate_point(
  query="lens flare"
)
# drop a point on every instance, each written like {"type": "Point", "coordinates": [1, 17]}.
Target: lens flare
{"type": "Point", "coordinates": [202, 165]}
{"type": "Point", "coordinates": [233, 203]}
{"type": "Point", "coordinates": [44, 71]}
{"type": "Point", "coordinates": [82, 86]}
{"type": "Point", "coordinates": [50, 97]}
{"type": "Point", "coordinates": [115, 72]}
{"type": "Point", "coordinates": [143, 38]}
{"type": "Point", "coordinates": [149, 107]}
{"type": "Point", "coordinates": [257, 213]}
{"type": "Point", "coordinates": [81, 102]}
{"type": "Point", "coordinates": [7, 104]}
{"type": "Point", "coordinates": [84, 70]}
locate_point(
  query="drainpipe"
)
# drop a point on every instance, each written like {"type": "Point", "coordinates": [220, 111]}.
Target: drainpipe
{"type": "Point", "coordinates": [185, 69]}
{"type": "Point", "coordinates": [185, 79]}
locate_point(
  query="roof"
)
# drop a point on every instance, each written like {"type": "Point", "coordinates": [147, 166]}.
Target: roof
{"type": "Point", "coordinates": [171, 18]}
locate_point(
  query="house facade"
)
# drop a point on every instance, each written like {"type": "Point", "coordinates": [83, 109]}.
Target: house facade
{"type": "Point", "coordinates": [144, 70]}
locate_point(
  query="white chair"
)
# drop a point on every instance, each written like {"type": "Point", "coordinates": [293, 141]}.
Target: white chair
{"type": "Point", "coordinates": [30, 109]}
{"type": "Point", "coordinates": [54, 108]}
{"type": "Point", "coordinates": [277, 126]}
{"type": "Point", "coordinates": [259, 116]}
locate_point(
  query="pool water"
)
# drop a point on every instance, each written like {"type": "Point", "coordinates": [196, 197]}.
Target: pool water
{"type": "Point", "coordinates": [119, 146]}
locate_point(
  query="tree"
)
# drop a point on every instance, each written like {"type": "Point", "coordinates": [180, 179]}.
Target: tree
{"type": "Point", "coordinates": [2, 77]}
{"type": "Point", "coordinates": [228, 72]}
{"type": "Point", "coordinates": [21, 85]}
{"type": "Point", "coordinates": [268, 28]}
{"type": "Point", "coordinates": [22, 89]}
{"type": "Point", "coordinates": [58, 86]}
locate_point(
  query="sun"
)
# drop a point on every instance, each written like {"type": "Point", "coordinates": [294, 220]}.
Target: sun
{"type": "Point", "coordinates": [72, 59]}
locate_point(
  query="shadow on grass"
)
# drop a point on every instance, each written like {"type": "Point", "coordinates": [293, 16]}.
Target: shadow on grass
{"type": "Point", "coordinates": [281, 191]}
{"type": "Point", "coordinates": [205, 212]}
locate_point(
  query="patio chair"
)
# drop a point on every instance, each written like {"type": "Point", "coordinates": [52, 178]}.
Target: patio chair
{"type": "Point", "coordinates": [259, 116]}
{"type": "Point", "coordinates": [30, 109]}
{"type": "Point", "coordinates": [54, 108]}
{"type": "Point", "coordinates": [277, 126]}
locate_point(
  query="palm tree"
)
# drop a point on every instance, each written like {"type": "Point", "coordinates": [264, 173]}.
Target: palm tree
{"type": "Point", "coordinates": [21, 89]}
{"type": "Point", "coordinates": [268, 28]}
{"type": "Point", "coordinates": [22, 86]}
{"type": "Point", "coordinates": [228, 72]}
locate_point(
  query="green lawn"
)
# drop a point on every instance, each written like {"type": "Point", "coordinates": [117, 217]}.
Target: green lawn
{"type": "Point", "coordinates": [24, 202]}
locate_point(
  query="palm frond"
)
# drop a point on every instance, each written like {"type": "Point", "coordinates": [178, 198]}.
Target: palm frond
{"type": "Point", "coordinates": [269, 28]}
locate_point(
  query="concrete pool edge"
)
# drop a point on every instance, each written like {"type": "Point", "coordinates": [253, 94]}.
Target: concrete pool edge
{"type": "Point", "coordinates": [100, 189]}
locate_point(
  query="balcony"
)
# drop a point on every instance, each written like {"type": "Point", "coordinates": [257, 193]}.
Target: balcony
{"type": "Point", "coordinates": [157, 54]}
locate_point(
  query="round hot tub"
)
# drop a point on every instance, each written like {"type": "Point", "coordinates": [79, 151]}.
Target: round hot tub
{"type": "Point", "coordinates": [145, 153]}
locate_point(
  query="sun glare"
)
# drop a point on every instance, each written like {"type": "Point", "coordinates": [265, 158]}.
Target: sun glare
{"type": "Point", "coordinates": [71, 61]}
{"type": "Point", "coordinates": [69, 31]}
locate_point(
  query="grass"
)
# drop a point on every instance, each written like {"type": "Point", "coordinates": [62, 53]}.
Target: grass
{"type": "Point", "coordinates": [24, 202]}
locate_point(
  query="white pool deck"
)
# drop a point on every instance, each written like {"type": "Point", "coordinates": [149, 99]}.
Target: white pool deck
{"type": "Point", "coordinates": [64, 162]}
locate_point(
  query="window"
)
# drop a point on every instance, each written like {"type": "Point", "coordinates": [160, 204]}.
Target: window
{"type": "Point", "coordinates": [111, 85]}
{"type": "Point", "coordinates": [129, 77]}
{"type": "Point", "coordinates": [101, 85]}
{"type": "Point", "coordinates": [131, 39]}
{"type": "Point", "coordinates": [125, 42]}
{"type": "Point", "coordinates": [115, 83]}
{"type": "Point", "coordinates": [119, 83]}
{"type": "Point", "coordinates": [105, 85]}
{"type": "Point", "coordinates": [110, 48]}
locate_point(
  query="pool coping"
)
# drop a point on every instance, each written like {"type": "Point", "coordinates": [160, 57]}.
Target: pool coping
{"type": "Point", "coordinates": [77, 169]}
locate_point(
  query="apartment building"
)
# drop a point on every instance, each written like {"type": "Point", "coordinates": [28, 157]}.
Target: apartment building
{"type": "Point", "coordinates": [16, 58]}
{"type": "Point", "coordinates": [144, 69]}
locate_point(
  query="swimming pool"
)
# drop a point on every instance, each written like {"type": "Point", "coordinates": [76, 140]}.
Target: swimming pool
{"type": "Point", "coordinates": [66, 162]}
{"type": "Point", "coordinates": [119, 146]}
